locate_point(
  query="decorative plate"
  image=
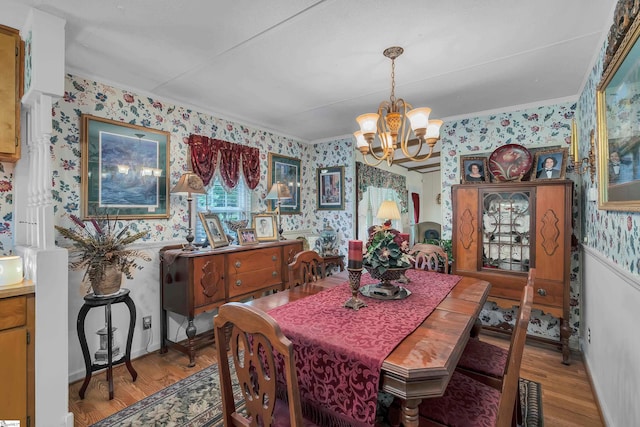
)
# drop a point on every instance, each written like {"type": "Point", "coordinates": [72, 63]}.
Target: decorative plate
{"type": "Point", "coordinates": [510, 162]}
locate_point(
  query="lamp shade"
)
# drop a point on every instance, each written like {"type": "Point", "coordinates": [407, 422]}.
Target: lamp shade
{"type": "Point", "coordinates": [388, 210]}
{"type": "Point", "coordinates": [189, 182]}
{"type": "Point", "coordinates": [279, 191]}
{"type": "Point", "coordinates": [10, 270]}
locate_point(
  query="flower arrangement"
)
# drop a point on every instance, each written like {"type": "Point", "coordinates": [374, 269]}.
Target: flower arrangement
{"type": "Point", "coordinates": [102, 247]}
{"type": "Point", "coordinates": [386, 249]}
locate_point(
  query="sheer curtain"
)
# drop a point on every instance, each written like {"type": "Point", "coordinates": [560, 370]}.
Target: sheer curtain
{"type": "Point", "coordinates": [372, 198]}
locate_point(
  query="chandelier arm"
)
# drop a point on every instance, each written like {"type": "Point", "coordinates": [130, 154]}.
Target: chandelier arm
{"type": "Point", "coordinates": [364, 157]}
{"type": "Point", "coordinates": [425, 157]}
{"type": "Point", "coordinates": [405, 148]}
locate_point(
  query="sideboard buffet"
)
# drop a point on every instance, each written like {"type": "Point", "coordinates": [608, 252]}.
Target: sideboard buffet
{"type": "Point", "coordinates": [500, 230]}
{"type": "Point", "coordinates": [197, 281]}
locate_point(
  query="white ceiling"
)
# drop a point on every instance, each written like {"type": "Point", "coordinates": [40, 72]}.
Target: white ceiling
{"type": "Point", "coordinates": [307, 68]}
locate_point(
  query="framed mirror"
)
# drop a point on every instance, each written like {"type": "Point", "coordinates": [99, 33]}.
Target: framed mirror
{"type": "Point", "coordinates": [618, 115]}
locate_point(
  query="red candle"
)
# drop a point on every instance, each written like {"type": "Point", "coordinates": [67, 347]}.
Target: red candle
{"type": "Point", "coordinates": [355, 254]}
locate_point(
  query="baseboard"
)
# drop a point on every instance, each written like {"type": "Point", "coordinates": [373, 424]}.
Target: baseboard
{"type": "Point", "coordinates": [587, 367]}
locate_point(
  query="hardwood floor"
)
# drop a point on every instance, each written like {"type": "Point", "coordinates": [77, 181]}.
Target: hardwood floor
{"type": "Point", "coordinates": [567, 398]}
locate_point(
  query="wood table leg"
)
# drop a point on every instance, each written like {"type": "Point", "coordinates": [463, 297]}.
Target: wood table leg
{"type": "Point", "coordinates": [410, 412]}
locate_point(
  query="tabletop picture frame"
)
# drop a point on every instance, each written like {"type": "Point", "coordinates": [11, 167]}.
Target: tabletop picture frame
{"type": "Point", "coordinates": [618, 145]}
{"type": "Point", "coordinates": [247, 236]}
{"type": "Point", "coordinates": [330, 188]}
{"type": "Point", "coordinates": [265, 226]}
{"type": "Point", "coordinates": [286, 170]}
{"type": "Point", "coordinates": [468, 176]}
{"type": "Point", "coordinates": [123, 170]}
{"type": "Point", "coordinates": [555, 159]}
{"type": "Point", "coordinates": [213, 229]}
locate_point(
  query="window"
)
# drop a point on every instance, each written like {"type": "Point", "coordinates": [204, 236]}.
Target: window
{"type": "Point", "coordinates": [232, 205]}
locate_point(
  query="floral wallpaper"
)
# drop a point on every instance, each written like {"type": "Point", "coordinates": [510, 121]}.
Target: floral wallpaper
{"type": "Point", "coordinates": [542, 126]}
{"type": "Point", "coordinates": [84, 96]}
{"type": "Point", "coordinates": [6, 208]}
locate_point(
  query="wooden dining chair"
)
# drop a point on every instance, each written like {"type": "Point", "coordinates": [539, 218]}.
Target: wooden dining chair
{"type": "Point", "coordinates": [468, 402]}
{"type": "Point", "coordinates": [306, 267]}
{"type": "Point", "coordinates": [254, 338]}
{"type": "Point", "coordinates": [486, 362]}
{"type": "Point", "coordinates": [430, 257]}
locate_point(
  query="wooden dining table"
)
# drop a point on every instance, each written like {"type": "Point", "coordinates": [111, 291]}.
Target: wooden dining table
{"type": "Point", "coordinates": [421, 366]}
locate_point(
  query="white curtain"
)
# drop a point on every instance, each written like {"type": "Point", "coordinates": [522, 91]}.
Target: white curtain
{"type": "Point", "coordinates": [368, 208]}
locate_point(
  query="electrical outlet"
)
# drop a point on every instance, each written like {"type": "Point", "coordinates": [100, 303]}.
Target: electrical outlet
{"type": "Point", "coordinates": [589, 335]}
{"type": "Point", "coordinates": [146, 322]}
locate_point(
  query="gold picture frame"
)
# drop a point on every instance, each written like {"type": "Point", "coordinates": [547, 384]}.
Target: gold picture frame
{"type": "Point", "coordinates": [555, 159]}
{"type": "Point", "coordinates": [213, 229]}
{"type": "Point", "coordinates": [618, 144]}
{"type": "Point", "coordinates": [265, 226]}
{"type": "Point", "coordinates": [247, 236]}
{"type": "Point", "coordinates": [466, 174]}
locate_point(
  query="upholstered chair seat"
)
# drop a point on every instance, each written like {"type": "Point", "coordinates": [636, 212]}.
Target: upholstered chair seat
{"type": "Point", "coordinates": [484, 358]}
{"type": "Point", "coordinates": [466, 402]}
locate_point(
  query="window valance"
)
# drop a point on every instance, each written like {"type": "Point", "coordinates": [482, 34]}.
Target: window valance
{"type": "Point", "coordinates": [207, 153]}
{"type": "Point", "coordinates": [369, 176]}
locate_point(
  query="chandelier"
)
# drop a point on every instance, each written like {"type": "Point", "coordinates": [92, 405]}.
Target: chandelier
{"type": "Point", "coordinates": [390, 124]}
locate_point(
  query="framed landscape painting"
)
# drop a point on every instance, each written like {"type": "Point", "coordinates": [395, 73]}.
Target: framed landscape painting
{"type": "Point", "coordinates": [285, 170]}
{"type": "Point", "coordinates": [124, 170]}
{"type": "Point", "coordinates": [330, 188]}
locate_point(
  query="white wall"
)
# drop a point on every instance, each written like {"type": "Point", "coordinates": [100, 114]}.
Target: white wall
{"type": "Point", "coordinates": [610, 316]}
{"type": "Point", "coordinates": [430, 209]}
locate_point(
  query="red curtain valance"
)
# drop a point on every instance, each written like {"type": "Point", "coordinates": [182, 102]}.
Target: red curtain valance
{"type": "Point", "coordinates": [204, 157]}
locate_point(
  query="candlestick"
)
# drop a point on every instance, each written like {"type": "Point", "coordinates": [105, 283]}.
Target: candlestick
{"type": "Point", "coordinates": [355, 254]}
{"type": "Point", "coordinates": [354, 283]}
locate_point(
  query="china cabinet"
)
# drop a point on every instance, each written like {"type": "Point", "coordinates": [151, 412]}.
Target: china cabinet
{"type": "Point", "coordinates": [11, 56]}
{"type": "Point", "coordinates": [500, 230]}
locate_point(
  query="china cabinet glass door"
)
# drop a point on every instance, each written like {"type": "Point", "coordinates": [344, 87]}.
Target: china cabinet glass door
{"type": "Point", "coordinates": [506, 230]}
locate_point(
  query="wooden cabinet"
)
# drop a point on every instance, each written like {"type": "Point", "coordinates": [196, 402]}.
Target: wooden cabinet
{"type": "Point", "coordinates": [17, 394]}
{"type": "Point", "coordinates": [11, 59]}
{"type": "Point", "coordinates": [199, 281]}
{"type": "Point", "coordinates": [501, 230]}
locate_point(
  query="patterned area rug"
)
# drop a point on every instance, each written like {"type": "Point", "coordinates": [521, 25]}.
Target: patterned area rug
{"type": "Point", "coordinates": [196, 402]}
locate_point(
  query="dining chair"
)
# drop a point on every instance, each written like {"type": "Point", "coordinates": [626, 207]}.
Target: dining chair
{"type": "Point", "coordinates": [430, 257]}
{"type": "Point", "coordinates": [487, 362]}
{"type": "Point", "coordinates": [306, 267]}
{"type": "Point", "coordinates": [254, 338]}
{"type": "Point", "coordinates": [468, 402]}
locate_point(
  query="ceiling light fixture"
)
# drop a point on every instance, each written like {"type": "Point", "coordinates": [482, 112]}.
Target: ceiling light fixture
{"type": "Point", "coordinates": [390, 124]}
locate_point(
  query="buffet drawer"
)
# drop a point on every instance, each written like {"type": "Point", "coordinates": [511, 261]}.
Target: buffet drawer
{"type": "Point", "coordinates": [14, 312]}
{"type": "Point", "coordinates": [254, 270]}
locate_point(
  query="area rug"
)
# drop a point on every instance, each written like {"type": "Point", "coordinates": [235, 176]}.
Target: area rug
{"type": "Point", "coordinates": [196, 402]}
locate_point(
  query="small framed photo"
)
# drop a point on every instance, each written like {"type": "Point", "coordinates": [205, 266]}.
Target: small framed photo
{"type": "Point", "coordinates": [474, 169]}
{"type": "Point", "coordinates": [330, 182]}
{"type": "Point", "coordinates": [213, 227]}
{"type": "Point", "coordinates": [266, 227]}
{"type": "Point", "coordinates": [549, 164]}
{"type": "Point", "coordinates": [247, 236]}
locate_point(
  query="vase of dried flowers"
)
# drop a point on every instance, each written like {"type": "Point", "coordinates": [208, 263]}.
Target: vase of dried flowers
{"type": "Point", "coordinates": [100, 250]}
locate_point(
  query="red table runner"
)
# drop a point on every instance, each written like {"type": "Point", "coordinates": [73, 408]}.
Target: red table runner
{"type": "Point", "coordinates": [339, 351]}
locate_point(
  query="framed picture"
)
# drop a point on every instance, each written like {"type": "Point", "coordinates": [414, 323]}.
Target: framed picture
{"type": "Point", "coordinates": [266, 227]}
{"type": "Point", "coordinates": [617, 106]}
{"type": "Point", "coordinates": [474, 169]}
{"type": "Point", "coordinates": [549, 164]}
{"type": "Point", "coordinates": [285, 170]}
{"type": "Point", "coordinates": [330, 188]}
{"type": "Point", "coordinates": [213, 228]}
{"type": "Point", "coordinates": [124, 170]}
{"type": "Point", "coordinates": [247, 236]}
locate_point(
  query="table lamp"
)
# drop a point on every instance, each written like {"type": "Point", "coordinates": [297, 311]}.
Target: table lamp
{"type": "Point", "coordinates": [278, 192]}
{"type": "Point", "coordinates": [388, 211]}
{"type": "Point", "coordinates": [189, 183]}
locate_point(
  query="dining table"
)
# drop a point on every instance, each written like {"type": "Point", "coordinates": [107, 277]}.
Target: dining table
{"type": "Point", "coordinates": [417, 367]}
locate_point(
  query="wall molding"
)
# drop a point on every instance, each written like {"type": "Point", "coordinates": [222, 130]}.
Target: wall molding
{"type": "Point", "coordinates": [632, 279]}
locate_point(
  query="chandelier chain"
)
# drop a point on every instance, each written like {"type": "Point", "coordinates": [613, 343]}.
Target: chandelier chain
{"type": "Point", "coordinates": [393, 81]}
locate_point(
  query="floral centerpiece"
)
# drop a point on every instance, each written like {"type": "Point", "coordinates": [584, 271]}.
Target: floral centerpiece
{"type": "Point", "coordinates": [386, 250]}
{"type": "Point", "coordinates": [101, 250]}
